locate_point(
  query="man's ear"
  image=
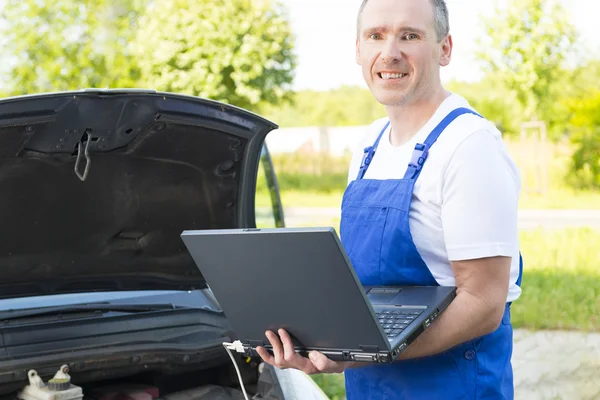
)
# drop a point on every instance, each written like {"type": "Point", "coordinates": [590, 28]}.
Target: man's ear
{"type": "Point", "coordinates": [446, 51]}
{"type": "Point", "coordinates": [358, 60]}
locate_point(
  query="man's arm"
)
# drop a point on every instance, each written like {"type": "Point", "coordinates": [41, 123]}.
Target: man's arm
{"type": "Point", "coordinates": [482, 287]}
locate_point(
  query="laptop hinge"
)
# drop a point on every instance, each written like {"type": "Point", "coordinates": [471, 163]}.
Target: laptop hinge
{"type": "Point", "coordinates": [369, 348]}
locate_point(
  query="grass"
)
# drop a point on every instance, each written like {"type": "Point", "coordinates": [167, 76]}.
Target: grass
{"type": "Point", "coordinates": [332, 384]}
{"type": "Point", "coordinates": [557, 199]}
{"type": "Point", "coordinates": [561, 282]}
{"type": "Point", "coordinates": [295, 198]}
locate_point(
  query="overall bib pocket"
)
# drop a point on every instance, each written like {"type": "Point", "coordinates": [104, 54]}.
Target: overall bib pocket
{"type": "Point", "coordinates": [361, 233]}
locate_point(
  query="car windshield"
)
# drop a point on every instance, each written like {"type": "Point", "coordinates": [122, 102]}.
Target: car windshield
{"type": "Point", "coordinates": [198, 298]}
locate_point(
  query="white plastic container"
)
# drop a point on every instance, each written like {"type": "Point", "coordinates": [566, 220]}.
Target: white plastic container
{"type": "Point", "coordinates": [58, 388]}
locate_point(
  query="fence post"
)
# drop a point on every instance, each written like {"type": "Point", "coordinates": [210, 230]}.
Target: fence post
{"type": "Point", "coordinates": [536, 158]}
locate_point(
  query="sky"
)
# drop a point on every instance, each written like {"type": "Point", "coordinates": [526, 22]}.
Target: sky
{"type": "Point", "coordinates": [325, 34]}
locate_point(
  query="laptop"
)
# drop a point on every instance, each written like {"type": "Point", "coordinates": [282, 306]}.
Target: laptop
{"type": "Point", "coordinates": [301, 279]}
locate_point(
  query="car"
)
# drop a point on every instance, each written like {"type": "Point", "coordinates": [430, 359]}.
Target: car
{"type": "Point", "coordinates": [99, 297]}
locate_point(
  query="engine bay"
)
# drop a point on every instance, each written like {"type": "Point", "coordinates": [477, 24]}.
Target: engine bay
{"type": "Point", "coordinates": [219, 383]}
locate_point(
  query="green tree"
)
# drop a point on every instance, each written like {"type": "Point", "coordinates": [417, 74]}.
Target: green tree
{"type": "Point", "coordinates": [493, 100]}
{"type": "Point", "coordinates": [573, 85]}
{"type": "Point", "coordinates": [585, 120]}
{"type": "Point", "coordinates": [54, 45]}
{"type": "Point", "coordinates": [235, 51]}
{"type": "Point", "coordinates": [525, 45]}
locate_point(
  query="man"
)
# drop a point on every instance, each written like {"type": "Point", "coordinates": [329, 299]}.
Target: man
{"type": "Point", "coordinates": [432, 200]}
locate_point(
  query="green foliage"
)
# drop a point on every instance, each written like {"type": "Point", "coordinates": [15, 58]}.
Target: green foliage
{"type": "Point", "coordinates": [526, 45]}
{"type": "Point", "coordinates": [584, 79]}
{"type": "Point", "coordinates": [573, 85]}
{"type": "Point", "coordinates": [586, 160]}
{"type": "Point", "coordinates": [494, 101]}
{"type": "Point", "coordinates": [234, 51]}
{"type": "Point", "coordinates": [332, 385]}
{"type": "Point", "coordinates": [63, 44]}
{"type": "Point", "coordinates": [585, 165]}
{"type": "Point", "coordinates": [345, 106]}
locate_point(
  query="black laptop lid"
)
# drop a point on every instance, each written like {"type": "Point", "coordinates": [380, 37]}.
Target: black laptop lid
{"type": "Point", "coordinates": [294, 278]}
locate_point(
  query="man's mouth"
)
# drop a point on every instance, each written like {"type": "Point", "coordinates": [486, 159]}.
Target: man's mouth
{"type": "Point", "coordinates": [387, 75]}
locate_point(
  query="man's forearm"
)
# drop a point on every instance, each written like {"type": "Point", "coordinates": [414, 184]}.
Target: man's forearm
{"type": "Point", "coordinates": [466, 318]}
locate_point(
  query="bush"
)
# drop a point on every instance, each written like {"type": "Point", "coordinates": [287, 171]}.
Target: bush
{"type": "Point", "coordinates": [585, 163]}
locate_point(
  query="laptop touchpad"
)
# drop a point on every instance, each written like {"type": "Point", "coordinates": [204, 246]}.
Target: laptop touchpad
{"type": "Point", "coordinates": [382, 295]}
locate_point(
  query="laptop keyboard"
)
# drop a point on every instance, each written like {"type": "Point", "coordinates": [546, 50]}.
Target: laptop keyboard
{"type": "Point", "coordinates": [394, 321]}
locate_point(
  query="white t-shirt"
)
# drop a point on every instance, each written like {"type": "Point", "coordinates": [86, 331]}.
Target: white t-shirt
{"type": "Point", "coordinates": [465, 201]}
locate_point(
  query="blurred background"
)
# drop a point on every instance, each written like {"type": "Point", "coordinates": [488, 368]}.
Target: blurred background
{"type": "Point", "coordinates": [530, 66]}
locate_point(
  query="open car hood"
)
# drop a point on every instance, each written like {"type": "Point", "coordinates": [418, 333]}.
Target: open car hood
{"type": "Point", "coordinates": [157, 164]}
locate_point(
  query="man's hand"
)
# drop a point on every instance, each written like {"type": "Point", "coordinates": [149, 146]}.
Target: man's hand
{"type": "Point", "coordinates": [285, 357]}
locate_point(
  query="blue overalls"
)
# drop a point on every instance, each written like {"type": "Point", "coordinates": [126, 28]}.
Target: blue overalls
{"type": "Point", "coordinates": [375, 232]}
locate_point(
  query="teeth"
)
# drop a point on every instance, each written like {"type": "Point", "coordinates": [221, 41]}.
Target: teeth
{"type": "Point", "coordinates": [386, 75]}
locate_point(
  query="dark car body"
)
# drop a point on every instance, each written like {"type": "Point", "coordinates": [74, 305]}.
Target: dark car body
{"type": "Point", "coordinates": [96, 188]}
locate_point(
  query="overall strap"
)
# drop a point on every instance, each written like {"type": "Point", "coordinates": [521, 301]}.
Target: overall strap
{"type": "Point", "coordinates": [422, 149]}
{"type": "Point", "coordinates": [520, 278]}
{"type": "Point", "coordinates": [369, 153]}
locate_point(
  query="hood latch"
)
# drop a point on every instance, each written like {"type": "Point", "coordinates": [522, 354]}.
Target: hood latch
{"type": "Point", "coordinates": [86, 153]}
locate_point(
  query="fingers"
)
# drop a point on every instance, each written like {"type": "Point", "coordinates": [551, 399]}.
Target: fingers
{"type": "Point", "coordinates": [277, 350]}
{"type": "Point", "coordinates": [288, 346]}
{"type": "Point", "coordinates": [293, 359]}
{"type": "Point", "coordinates": [264, 354]}
{"type": "Point", "coordinates": [284, 355]}
{"type": "Point", "coordinates": [324, 364]}
{"type": "Point", "coordinates": [277, 347]}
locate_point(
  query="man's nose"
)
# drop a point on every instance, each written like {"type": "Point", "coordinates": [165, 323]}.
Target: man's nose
{"type": "Point", "coordinates": [392, 51]}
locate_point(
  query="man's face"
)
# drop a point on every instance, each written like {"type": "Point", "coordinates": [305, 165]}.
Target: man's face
{"type": "Point", "coordinates": [398, 50]}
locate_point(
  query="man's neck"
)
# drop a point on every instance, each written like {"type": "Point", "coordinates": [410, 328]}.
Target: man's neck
{"type": "Point", "coordinates": [406, 121]}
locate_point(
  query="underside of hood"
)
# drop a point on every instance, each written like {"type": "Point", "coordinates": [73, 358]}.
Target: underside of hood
{"type": "Point", "coordinates": [97, 186]}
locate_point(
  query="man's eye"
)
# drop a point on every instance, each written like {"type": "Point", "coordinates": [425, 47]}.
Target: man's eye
{"type": "Point", "coordinates": [375, 36]}
{"type": "Point", "coordinates": [411, 36]}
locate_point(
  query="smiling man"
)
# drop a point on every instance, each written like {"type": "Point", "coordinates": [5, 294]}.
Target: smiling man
{"type": "Point", "coordinates": [432, 200]}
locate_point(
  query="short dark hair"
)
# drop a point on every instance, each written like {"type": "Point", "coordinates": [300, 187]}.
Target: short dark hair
{"type": "Point", "coordinates": [441, 17]}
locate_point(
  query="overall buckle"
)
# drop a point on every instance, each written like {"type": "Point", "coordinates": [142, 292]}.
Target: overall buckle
{"type": "Point", "coordinates": [366, 160]}
{"type": "Point", "coordinates": [419, 156]}
{"type": "Point", "coordinates": [367, 156]}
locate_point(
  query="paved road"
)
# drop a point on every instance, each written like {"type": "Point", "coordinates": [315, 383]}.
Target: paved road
{"type": "Point", "coordinates": [528, 219]}
{"type": "Point", "coordinates": [556, 365]}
